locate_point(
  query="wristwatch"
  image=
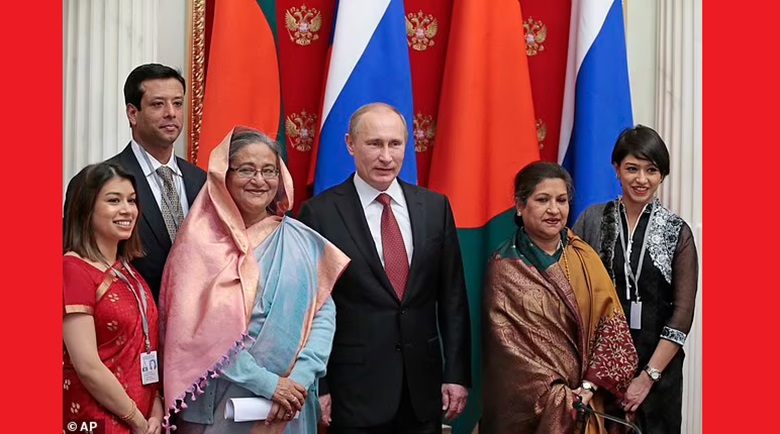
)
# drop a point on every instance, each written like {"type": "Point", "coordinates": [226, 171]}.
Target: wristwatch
{"type": "Point", "coordinates": [654, 374]}
{"type": "Point", "coordinates": [587, 385]}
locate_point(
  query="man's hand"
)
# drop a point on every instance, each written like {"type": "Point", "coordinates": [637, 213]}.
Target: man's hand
{"type": "Point", "coordinates": [325, 407]}
{"type": "Point", "coordinates": [453, 400]}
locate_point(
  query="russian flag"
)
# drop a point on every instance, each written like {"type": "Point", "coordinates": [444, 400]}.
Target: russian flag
{"type": "Point", "coordinates": [596, 101]}
{"type": "Point", "coordinates": [369, 63]}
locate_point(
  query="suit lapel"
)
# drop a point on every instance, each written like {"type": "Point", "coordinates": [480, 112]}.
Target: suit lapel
{"type": "Point", "coordinates": [150, 212]}
{"type": "Point", "coordinates": [416, 207]}
{"type": "Point", "coordinates": [351, 211]}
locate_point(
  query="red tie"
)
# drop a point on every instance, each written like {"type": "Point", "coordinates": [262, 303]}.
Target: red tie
{"type": "Point", "coordinates": [393, 249]}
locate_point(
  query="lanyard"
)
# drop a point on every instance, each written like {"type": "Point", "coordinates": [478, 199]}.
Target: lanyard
{"type": "Point", "coordinates": [626, 245]}
{"type": "Point", "coordinates": [163, 196]}
{"type": "Point", "coordinates": [142, 305]}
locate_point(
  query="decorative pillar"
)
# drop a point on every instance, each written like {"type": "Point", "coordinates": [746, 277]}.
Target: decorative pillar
{"type": "Point", "coordinates": [678, 118]}
{"type": "Point", "coordinates": [102, 42]}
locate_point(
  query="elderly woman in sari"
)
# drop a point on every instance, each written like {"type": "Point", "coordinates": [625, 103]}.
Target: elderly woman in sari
{"type": "Point", "coordinates": [553, 328]}
{"type": "Point", "coordinates": [245, 303]}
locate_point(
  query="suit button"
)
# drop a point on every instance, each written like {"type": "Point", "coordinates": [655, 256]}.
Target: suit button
{"type": "Point", "coordinates": [403, 311]}
{"type": "Point", "coordinates": [398, 347]}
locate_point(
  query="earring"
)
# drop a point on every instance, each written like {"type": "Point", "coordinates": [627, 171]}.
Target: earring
{"type": "Point", "coordinates": [519, 214]}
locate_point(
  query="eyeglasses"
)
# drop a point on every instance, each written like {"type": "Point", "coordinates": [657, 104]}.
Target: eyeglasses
{"type": "Point", "coordinates": [248, 172]}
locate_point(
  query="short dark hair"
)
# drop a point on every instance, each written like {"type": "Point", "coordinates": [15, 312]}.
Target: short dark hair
{"type": "Point", "coordinates": [644, 143]}
{"type": "Point", "coordinates": [354, 120]}
{"type": "Point", "coordinates": [150, 71]}
{"type": "Point", "coordinates": [79, 235]}
{"type": "Point", "coordinates": [533, 174]}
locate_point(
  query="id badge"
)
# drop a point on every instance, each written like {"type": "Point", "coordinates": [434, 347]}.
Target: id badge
{"type": "Point", "coordinates": [149, 368]}
{"type": "Point", "coordinates": [636, 315]}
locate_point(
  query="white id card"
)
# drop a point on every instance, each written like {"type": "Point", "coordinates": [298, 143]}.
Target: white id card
{"type": "Point", "coordinates": [636, 315]}
{"type": "Point", "coordinates": [149, 368]}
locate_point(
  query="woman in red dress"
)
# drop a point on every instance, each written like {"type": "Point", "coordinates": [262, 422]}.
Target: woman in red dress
{"type": "Point", "coordinates": [109, 326]}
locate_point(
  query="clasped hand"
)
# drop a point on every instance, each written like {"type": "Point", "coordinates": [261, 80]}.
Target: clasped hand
{"type": "Point", "coordinates": [288, 399]}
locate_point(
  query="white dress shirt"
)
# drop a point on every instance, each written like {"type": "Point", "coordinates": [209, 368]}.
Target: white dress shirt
{"type": "Point", "coordinates": [149, 166]}
{"type": "Point", "coordinates": [373, 212]}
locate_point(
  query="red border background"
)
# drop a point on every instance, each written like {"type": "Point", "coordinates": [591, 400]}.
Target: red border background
{"type": "Point", "coordinates": [31, 216]}
{"type": "Point", "coordinates": [740, 285]}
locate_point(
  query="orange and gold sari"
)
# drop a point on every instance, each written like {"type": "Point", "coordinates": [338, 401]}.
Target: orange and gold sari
{"type": "Point", "coordinates": [550, 322]}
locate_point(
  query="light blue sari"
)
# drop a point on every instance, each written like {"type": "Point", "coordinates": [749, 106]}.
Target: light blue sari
{"type": "Point", "coordinates": [290, 338]}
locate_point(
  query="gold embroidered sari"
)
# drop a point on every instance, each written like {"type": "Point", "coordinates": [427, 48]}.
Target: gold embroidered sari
{"type": "Point", "coordinates": [550, 322]}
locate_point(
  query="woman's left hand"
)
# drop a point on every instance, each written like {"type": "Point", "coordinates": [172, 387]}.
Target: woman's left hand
{"type": "Point", "coordinates": [154, 427]}
{"type": "Point", "coordinates": [278, 414]}
{"type": "Point", "coordinates": [637, 392]}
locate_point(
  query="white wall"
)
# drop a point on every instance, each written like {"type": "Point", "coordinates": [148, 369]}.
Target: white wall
{"type": "Point", "coordinates": [172, 51]}
{"type": "Point", "coordinates": [641, 28]}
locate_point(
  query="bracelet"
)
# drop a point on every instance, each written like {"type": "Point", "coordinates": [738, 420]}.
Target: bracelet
{"type": "Point", "coordinates": [130, 415]}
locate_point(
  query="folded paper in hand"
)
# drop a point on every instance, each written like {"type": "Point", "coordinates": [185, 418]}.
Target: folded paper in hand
{"type": "Point", "coordinates": [249, 409]}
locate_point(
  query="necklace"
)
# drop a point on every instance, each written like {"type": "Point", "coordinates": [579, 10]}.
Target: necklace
{"type": "Point", "coordinates": [566, 266]}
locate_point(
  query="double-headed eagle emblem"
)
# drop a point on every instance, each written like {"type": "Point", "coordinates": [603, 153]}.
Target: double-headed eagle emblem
{"type": "Point", "coordinates": [420, 30]}
{"type": "Point", "coordinates": [535, 34]}
{"type": "Point", "coordinates": [303, 24]}
{"type": "Point", "coordinates": [300, 128]}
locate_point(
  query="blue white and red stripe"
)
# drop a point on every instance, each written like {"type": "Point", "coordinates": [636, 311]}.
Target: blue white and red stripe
{"type": "Point", "coordinates": [596, 102]}
{"type": "Point", "coordinates": [369, 62]}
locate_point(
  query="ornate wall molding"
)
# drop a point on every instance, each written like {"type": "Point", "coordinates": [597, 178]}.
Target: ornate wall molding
{"type": "Point", "coordinates": [197, 67]}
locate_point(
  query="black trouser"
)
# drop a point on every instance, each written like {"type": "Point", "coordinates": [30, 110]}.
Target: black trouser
{"type": "Point", "coordinates": [661, 411]}
{"type": "Point", "coordinates": [404, 421]}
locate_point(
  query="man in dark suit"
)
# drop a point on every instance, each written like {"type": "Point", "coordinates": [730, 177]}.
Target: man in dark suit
{"type": "Point", "coordinates": [401, 303]}
{"type": "Point", "coordinates": [167, 185]}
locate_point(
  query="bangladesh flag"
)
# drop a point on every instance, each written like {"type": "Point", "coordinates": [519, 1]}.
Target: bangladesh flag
{"type": "Point", "coordinates": [242, 73]}
{"type": "Point", "coordinates": [486, 133]}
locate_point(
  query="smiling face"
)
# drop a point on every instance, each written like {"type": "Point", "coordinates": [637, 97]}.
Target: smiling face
{"type": "Point", "coordinates": [640, 180]}
{"type": "Point", "coordinates": [378, 145]}
{"type": "Point", "coordinates": [253, 195]}
{"type": "Point", "coordinates": [115, 212]}
{"type": "Point", "coordinates": [545, 211]}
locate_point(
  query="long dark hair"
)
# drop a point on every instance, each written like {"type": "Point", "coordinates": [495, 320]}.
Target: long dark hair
{"type": "Point", "coordinates": [79, 235]}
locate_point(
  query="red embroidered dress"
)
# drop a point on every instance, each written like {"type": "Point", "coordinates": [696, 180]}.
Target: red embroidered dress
{"type": "Point", "coordinates": [120, 340]}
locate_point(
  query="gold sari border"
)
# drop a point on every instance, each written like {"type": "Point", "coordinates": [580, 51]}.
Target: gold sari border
{"type": "Point", "coordinates": [103, 288]}
{"type": "Point", "coordinates": [79, 308]}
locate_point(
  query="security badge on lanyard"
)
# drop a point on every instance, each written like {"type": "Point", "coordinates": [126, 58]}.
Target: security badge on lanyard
{"type": "Point", "coordinates": [149, 367]}
{"type": "Point", "coordinates": [635, 319]}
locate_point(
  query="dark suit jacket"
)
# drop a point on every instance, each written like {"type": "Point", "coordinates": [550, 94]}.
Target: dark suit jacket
{"type": "Point", "coordinates": [380, 340]}
{"type": "Point", "coordinates": [151, 227]}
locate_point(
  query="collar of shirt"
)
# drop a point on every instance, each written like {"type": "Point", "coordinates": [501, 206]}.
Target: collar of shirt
{"type": "Point", "coordinates": [368, 194]}
{"type": "Point", "coordinates": [144, 158]}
